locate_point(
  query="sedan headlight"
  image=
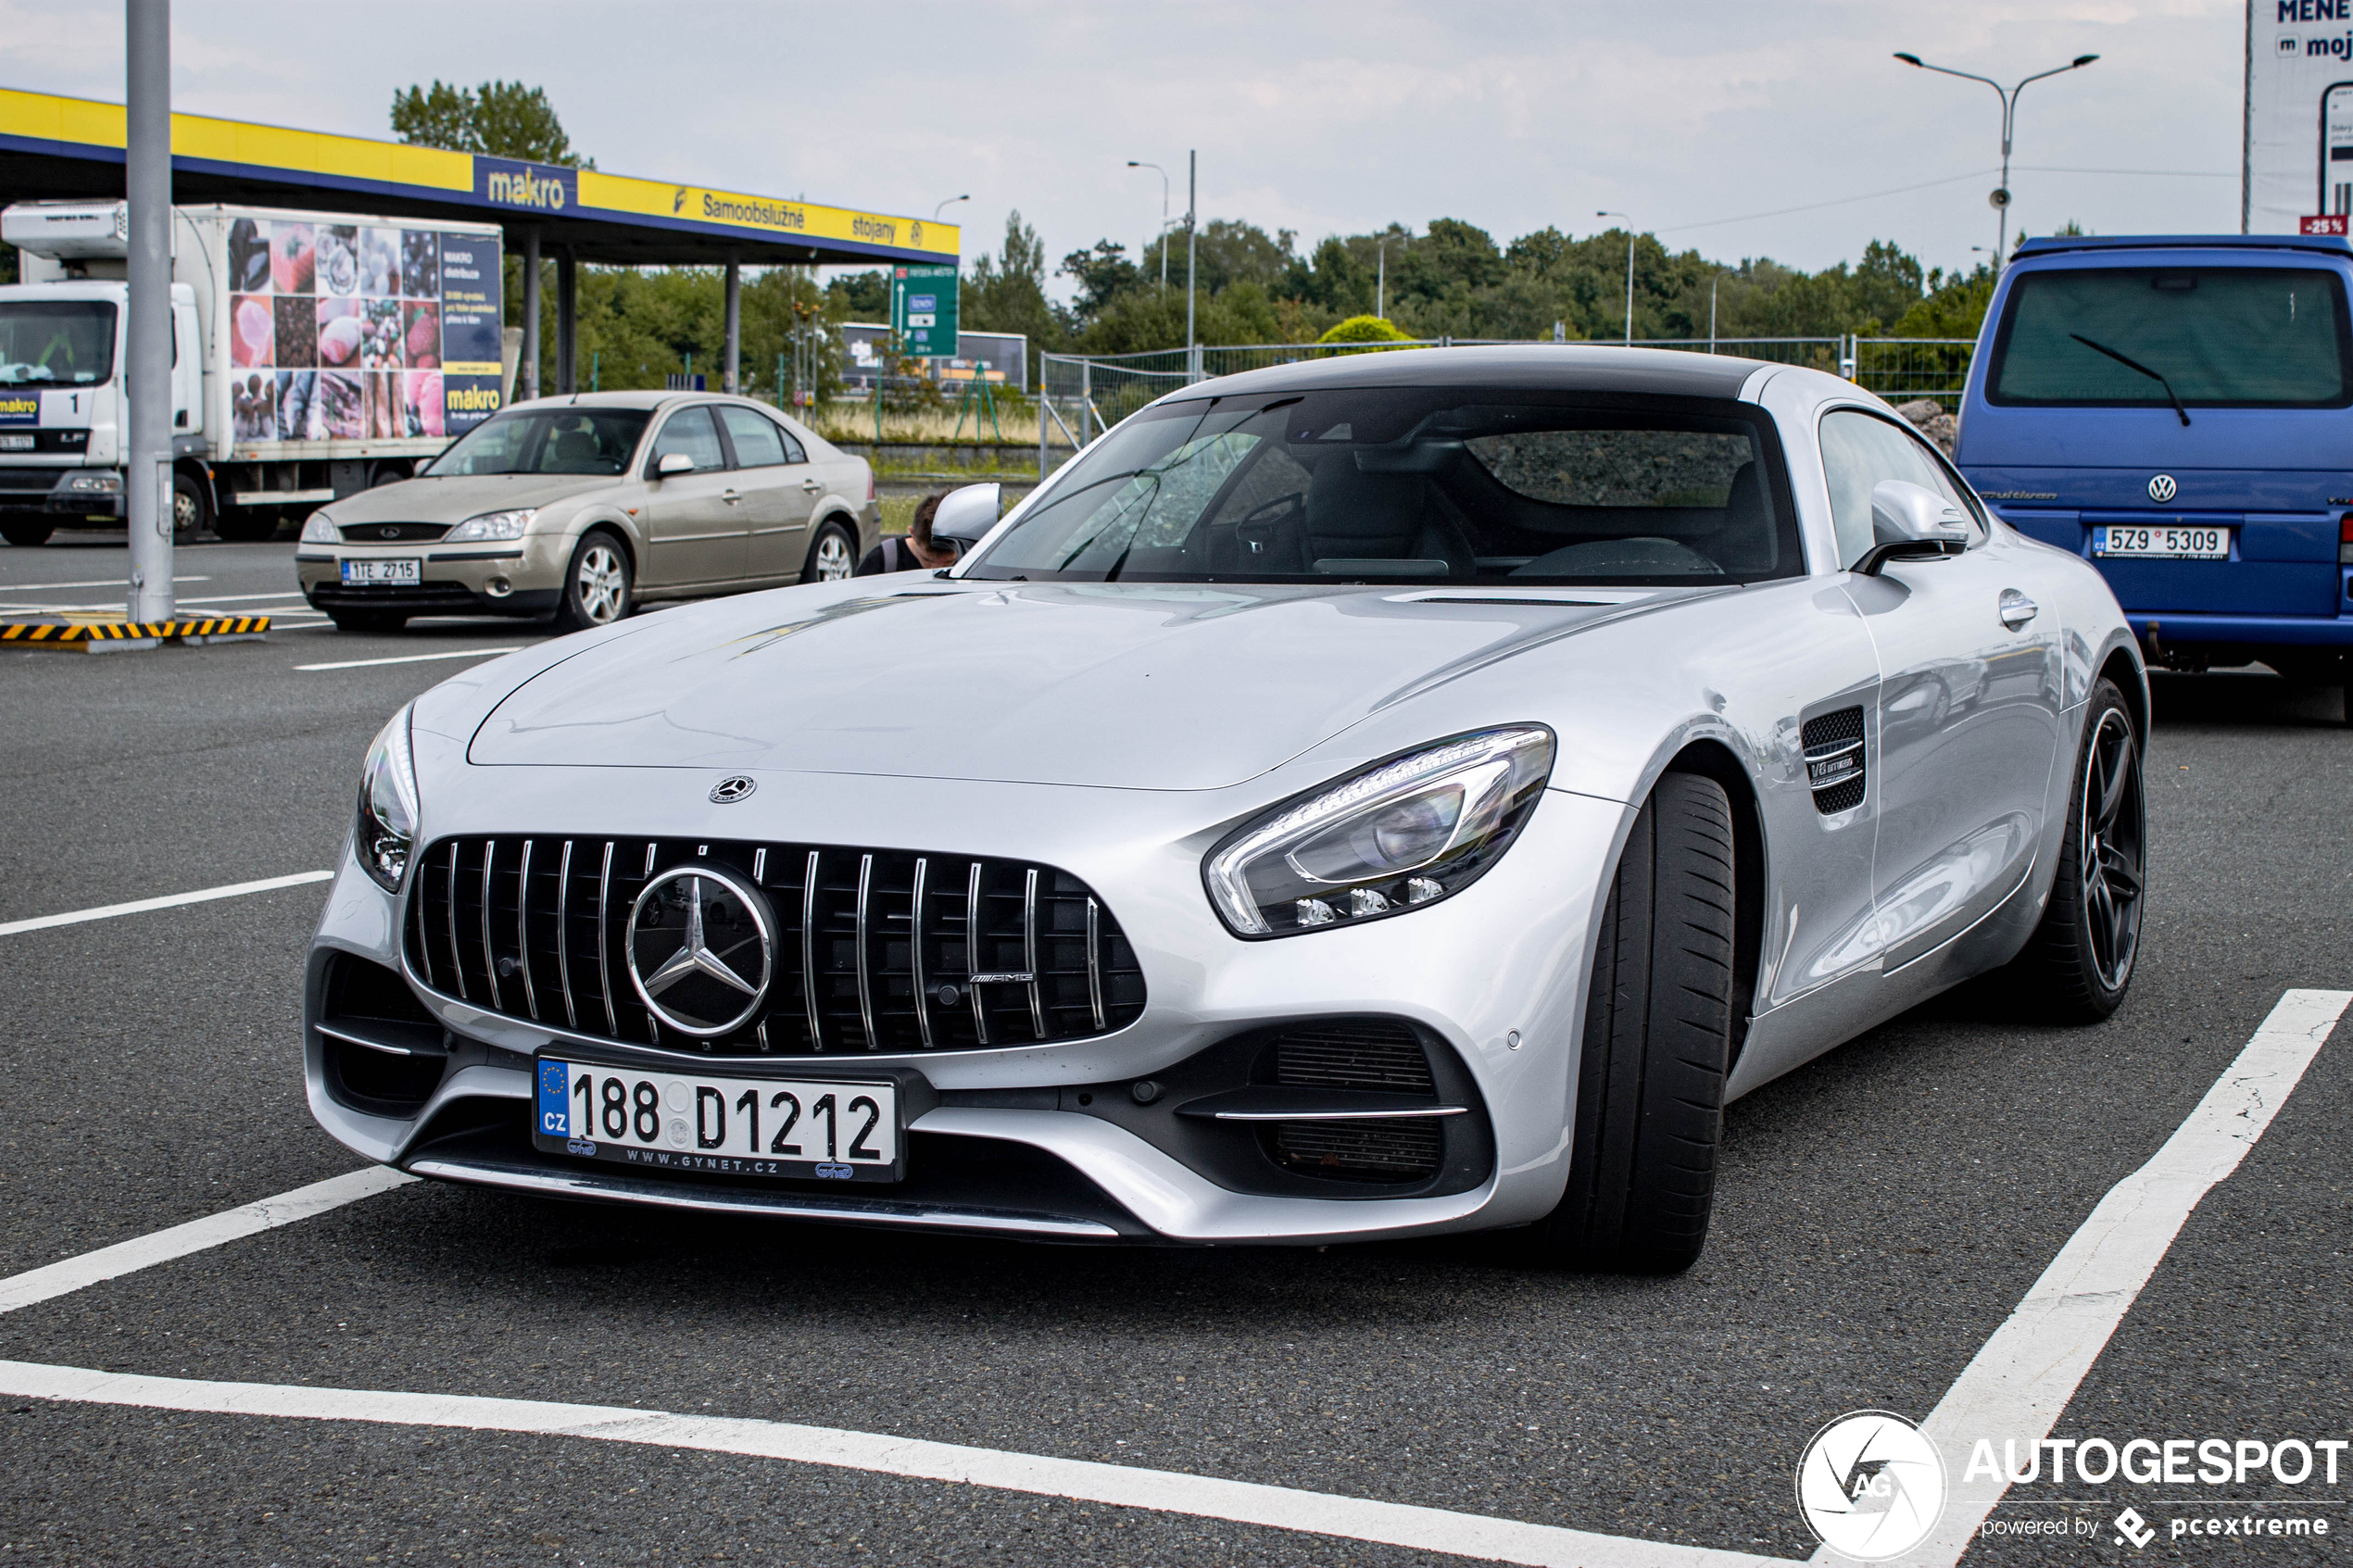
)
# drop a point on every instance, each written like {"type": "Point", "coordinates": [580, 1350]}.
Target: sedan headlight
{"type": "Point", "coordinates": [1400, 835]}
{"type": "Point", "coordinates": [491, 525]}
{"type": "Point", "coordinates": [317, 530]}
{"type": "Point", "coordinates": [388, 827]}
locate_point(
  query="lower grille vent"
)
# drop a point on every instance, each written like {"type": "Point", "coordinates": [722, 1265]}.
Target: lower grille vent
{"type": "Point", "coordinates": [1834, 759]}
{"type": "Point", "coordinates": [876, 950]}
{"type": "Point", "coordinates": [1374, 1054]}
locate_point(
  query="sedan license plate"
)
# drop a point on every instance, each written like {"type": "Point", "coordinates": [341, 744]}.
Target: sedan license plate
{"type": "Point", "coordinates": [2163, 543]}
{"type": "Point", "coordinates": [828, 1129]}
{"type": "Point", "coordinates": [366, 572]}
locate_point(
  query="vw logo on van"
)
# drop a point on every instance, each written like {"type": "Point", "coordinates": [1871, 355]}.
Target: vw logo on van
{"type": "Point", "coordinates": [2161, 488]}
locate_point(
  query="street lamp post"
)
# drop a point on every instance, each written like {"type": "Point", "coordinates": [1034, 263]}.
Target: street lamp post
{"type": "Point", "coordinates": [2001, 196]}
{"type": "Point", "coordinates": [1629, 270]}
{"type": "Point", "coordinates": [1192, 237]}
{"type": "Point", "coordinates": [943, 206]}
{"type": "Point", "coordinates": [1156, 169]}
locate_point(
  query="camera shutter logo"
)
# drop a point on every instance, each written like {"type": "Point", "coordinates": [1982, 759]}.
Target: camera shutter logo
{"type": "Point", "coordinates": [2161, 488]}
{"type": "Point", "coordinates": [702, 948]}
{"type": "Point", "coordinates": [1870, 1485]}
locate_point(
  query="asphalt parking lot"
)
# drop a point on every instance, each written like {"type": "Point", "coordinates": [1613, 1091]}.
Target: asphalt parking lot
{"type": "Point", "coordinates": [1882, 1213]}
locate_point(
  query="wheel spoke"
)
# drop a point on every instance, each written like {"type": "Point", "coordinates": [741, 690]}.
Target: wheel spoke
{"type": "Point", "coordinates": [2120, 775]}
{"type": "Point", "coordinates": [2118, 872]}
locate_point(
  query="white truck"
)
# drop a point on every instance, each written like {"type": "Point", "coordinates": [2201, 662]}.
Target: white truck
{"type": "Point", "coordinates": [314, 354]}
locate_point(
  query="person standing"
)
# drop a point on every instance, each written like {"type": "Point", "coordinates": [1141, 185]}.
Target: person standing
{"type": "Point", "coordinates": [915, 551]}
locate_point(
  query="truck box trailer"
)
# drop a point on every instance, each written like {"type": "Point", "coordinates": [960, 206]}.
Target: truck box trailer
{"type": "Point", "coordinates": [314, 354]}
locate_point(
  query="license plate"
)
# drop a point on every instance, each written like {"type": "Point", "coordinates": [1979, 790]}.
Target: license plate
{"type": "Point", "coordinates": [15, 443]}
{"type": "Point", "coordinates": [843, 1130]}
{"type": "Point", "coordinates": [2163, 543]}
{"type": "Point", "coordinates": [367, 572]}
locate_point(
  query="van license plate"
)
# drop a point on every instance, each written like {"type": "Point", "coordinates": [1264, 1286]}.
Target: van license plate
{"type": "Point", "coordinates": [2162, 543]}
{"type": "Point", "coordinates": [371, 573]}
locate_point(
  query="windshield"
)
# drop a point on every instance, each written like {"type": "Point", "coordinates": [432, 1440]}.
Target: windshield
{"type": "Point", "coordinates": [2246, 337]}
{"type": "Point", "coordinates": [588, 441]}
{"type": "Point", "coordinates": [1418, 485]}
{"type": "Point", "coordinates": [65, 342]}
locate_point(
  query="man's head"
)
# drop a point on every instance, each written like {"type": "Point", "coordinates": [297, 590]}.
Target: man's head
{"type": "Point", "coordinates": [919, 533]}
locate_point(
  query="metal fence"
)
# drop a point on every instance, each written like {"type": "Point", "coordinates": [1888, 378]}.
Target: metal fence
{"type": "Point", "coordinates": [1082, 395]}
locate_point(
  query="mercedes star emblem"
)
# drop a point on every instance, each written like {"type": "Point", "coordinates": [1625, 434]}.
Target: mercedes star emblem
{"type": "Point", "coordinates": [726, 792]}
{"type": "Point", "coordinates": [703, 950]}
{"type": "Point", "coordinates": [2161, 488]}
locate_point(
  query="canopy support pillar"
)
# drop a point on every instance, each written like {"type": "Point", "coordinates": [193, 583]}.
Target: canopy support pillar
{"type": "Point", "coordinates": [735, 326]}
{"type": "Point", "coordinates": [527, 372]}
{"type": "Point", "coordinates": [567, 322]}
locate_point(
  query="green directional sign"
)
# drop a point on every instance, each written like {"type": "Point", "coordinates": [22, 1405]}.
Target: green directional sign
{"type": "Point", "coordinates": [923, 311]}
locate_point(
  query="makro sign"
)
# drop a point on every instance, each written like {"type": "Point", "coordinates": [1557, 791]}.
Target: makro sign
{"type": "Point", "coordinates": [2300, 117]}
{"type": "Point", "coordinates": [528, 187]}
{"type": "Point", "coordinates": [19, 408]}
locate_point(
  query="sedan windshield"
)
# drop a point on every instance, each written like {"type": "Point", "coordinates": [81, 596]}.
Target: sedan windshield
{"type": "Point", "coordinates": [1418, 485]}
{"type": "Point", "coordinates": [585, 441]}
{"type": "Point", "coordinates": [55, 342]}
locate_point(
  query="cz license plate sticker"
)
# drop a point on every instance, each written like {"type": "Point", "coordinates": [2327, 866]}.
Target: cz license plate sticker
{"type": "Point", "coordinates": [368, 573]}
{"type": "Point", "coordinates": [2162, 543]}
{"type": "Point", "coordinates": [833, 1130]}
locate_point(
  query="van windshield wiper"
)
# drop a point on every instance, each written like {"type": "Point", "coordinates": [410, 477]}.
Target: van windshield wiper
{"type": "Point", "coordinates": [2136, 365]}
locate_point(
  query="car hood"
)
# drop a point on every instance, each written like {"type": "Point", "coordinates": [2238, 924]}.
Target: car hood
{"type": "Point", "coordinates": [1122, 685]}
{"type": "Point", "coordinates": [460, 496]}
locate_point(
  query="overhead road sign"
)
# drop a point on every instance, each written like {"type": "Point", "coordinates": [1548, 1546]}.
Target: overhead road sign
{"type": "Point", "coordinates": [923, 311]}
{"type": "Point", "coordinates": [52, 146]}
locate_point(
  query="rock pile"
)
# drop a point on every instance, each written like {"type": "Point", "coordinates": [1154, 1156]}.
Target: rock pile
{"type": "Point", "coordinates": [1929, 418]}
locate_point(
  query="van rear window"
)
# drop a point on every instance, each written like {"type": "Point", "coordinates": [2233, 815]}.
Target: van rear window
{"type": "Point", "coordinates": [2232, 337]}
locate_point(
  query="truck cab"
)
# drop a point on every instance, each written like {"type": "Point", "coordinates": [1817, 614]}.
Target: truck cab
{"type": "Point", "coordinates": [2179, 411]}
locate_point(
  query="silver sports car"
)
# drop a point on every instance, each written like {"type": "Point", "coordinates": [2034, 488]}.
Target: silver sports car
{"type": "Point", "coordinates": [1374, 798]}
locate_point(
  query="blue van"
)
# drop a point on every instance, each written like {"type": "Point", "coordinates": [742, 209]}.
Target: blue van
{"type": "Point", "coordinates": [2179, 410]}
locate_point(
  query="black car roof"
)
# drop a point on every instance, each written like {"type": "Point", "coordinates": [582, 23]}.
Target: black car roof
{"type": "Point", "coordinates": [1554, 366]}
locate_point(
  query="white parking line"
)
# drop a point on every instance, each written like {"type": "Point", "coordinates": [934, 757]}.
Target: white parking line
{"type": "Point", "coordinates": [2021, 1382]}
{"type": "Point", "coordinates": [2017, 1386]}
{"type": "Point", "coordinates": [413, 658]}
{"type": "Point", "coordinates": [161, 1247]}
{"type": "Point", "coordinates": [122, 583]}
{"type": "Point", "coordinates": [55, 609]}
{"type": "Point", "coordinates": [169, 901]}
{"type": "Point", "coordinates": [1246, 1502]}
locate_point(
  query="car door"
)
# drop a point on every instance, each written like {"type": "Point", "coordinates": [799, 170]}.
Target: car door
{"type": "Point", "coordinates": [778, 486]}
{"type": "Point", "coordinates": [694, 522]}
{"type": "Point", "coordinates": [1968, 719]}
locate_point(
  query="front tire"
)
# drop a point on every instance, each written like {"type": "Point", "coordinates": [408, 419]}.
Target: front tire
{"type": "Point", "coordinates": [2078, 965]}
{"type": "Point", "coordinates": [24, 532]}
{"type": "Point", "coordinates": [1657, 1044]}
{"type": "Point", "coordinates": [833, 555]}
{"type": "Point", "coordinates": [190, 514]}
{"type": "Point", "coordinates": [598, 586]}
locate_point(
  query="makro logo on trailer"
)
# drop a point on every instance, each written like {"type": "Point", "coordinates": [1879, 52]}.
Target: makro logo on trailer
{"type": "Point", "coordinates": [1871, 1486]}
{"type": "Point", "coordinates": [539, 187]}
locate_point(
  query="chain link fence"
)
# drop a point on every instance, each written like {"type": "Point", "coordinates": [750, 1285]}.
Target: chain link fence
{"type": "Point", "coordinates": [1082, 395]}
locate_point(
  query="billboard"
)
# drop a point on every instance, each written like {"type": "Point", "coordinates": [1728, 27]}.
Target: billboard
{"type": "Point", "coordinates": [359, 331]}
{"type": "Point", "coordinates": [2300, 117]}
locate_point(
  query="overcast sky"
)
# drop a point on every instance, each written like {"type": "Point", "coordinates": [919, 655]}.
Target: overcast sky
{"type": "Point", "coordinates": [1694, 117]}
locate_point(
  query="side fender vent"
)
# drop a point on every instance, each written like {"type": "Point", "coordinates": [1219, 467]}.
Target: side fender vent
{"type": "Point", "coordinates": [1834, 760]}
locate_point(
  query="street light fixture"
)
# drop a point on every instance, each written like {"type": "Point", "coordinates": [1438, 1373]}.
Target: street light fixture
{"type": "Point", "coordinates": [1156, 169]}
{"type": "Point", "coordinates": [2001, 195]}
{"type": "Point", "coordinates": [943, 206]}
{"type": "Point", "coordinates": [1629, 270]}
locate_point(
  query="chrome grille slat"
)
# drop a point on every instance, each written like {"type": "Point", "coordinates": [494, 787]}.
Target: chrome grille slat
{"type": "Point", "coordinates": [1039, 952]}
{"type": "Point", "coordinates": [563, 933]}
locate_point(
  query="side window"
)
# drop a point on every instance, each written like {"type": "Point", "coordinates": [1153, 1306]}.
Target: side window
{"type": "Point", "coordinates": [691, 431]}
{"type": "Point", "coordinates": [759, 444]}
{"type": "Point", "coordinates": [1858, 451]}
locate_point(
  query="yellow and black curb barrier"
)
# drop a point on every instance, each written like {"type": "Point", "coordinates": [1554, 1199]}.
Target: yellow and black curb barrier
{"type": "Point", "coordinates": [92, 636]}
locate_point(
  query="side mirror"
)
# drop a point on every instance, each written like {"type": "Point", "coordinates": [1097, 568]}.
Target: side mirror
{"type": "Point", "coordinates": [673, 463]}
{"type": "Point", "coordinates": [1911, 523]}
{"type": "Point", "coordinates": [965, 516]}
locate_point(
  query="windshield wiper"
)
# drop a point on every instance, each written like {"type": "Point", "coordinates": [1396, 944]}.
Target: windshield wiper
{"type": "Point", "coordinates": [2136, 365]}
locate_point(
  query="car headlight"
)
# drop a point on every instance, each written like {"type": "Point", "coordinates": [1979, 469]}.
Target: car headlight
{"type": "Point", "coordinates": [491, 525]}
{"type": "Point", "coordinates": [1402, 834]}
{"type": "Point", "coordinates": [387, 828]}
{"type": "Point", "coordinates": [317, 529]}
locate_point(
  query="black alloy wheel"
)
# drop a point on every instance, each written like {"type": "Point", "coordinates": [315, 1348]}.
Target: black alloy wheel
{"type": "Point", "coordinates": [2079, 962]}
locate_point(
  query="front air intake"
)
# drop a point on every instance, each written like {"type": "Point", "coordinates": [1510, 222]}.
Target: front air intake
{"type": "Point", "coordinates": [1381, 1055]}
{"type": "Point", "coordinates": [1834, 760]}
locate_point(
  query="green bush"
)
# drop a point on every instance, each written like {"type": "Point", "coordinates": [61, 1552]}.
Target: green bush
{"type": "Point", "coordinates": [1365, 329]}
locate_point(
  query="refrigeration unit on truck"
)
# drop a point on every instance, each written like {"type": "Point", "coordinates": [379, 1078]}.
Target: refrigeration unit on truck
{"type": "Point", "coordinates": [314, 354]}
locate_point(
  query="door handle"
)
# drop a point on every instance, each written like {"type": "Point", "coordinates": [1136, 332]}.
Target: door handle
{"type": "Point", "coordinates": [2015, 610]}
{"type": "Point", "coordinates": [729, 496]}
{"type": "Point", "coordinates": [813, 486]}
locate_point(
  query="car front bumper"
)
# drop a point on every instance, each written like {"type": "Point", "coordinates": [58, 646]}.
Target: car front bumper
{"type": "Point", "coordinates": [514, 577]}
{"type": "Point", "coordinates": [1493, 975]}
